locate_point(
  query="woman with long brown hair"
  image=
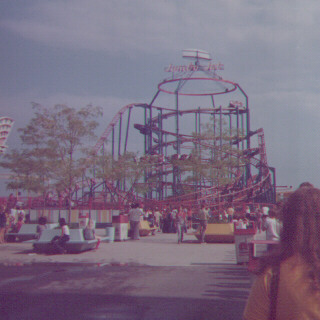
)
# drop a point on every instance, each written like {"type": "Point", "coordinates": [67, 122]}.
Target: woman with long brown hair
{"type": "Point", "coordinates": [288, 283]}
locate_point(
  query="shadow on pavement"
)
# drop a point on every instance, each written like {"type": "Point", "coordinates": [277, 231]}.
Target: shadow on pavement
{"type": "Point", "coordinates": [114, 307]}
{"type": "Point", "coordinates": [70, 291]}
{"type": "Point", "coordinates": [230, 283]}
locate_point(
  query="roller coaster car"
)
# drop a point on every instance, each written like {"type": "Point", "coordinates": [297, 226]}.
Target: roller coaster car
{"type": "Point", "coordinates": [175, 157]}
{"type": "Point", "coordinates": [184, 157]}
{"type": "Point", "coordinates": [152, 158]}
{"type": "Point", "coordinates": [143, 129]}
{"type": "Point", "coordinates": [251, 152]}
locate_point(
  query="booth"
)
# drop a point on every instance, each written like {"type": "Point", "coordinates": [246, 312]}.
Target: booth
{"type": "Point", "coordinates": [110, 233]}
{"type": "Point", "coordinates": [243, 236]}
{"type": "Point", "coordinates": [120, 224]}
{"type": "Point", "coordinates": [218, 233]}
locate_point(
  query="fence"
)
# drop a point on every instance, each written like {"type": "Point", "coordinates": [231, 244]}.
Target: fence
{"type": "Point", "coordinates": [100, 216]}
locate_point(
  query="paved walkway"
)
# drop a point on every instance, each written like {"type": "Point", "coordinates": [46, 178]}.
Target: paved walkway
{"type": "Point", "coordinates": [158, 250]}
{"type": "Point", "coordinates": [151, 279]}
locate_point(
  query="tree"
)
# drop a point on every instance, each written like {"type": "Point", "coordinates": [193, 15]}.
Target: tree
{"type": "Point", "coordinates": [212, 161]}
{"type": "Point", "coordinates": [124, 172]}
{"type": "Point", "coordinates": [53, 149]}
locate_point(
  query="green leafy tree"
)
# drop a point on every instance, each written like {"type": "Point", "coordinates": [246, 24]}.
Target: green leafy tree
{"type": "Point", "coordinates": [27, 172]}
{"type": "Point", "coordinates": [125, 172]}
{"type": "Point", "coordinates": [53, 149]}
{"type": "Point", "coordinates": [212, 160]}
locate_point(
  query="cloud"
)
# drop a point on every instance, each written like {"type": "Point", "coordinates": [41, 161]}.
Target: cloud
{"type": "Point", "coordinates": [110, 26]}
{"type": "Point", "coordinates": [20, 109]}
{"type": "Point", "coordinates": [270, 47]}
{"type": "Point", "coordinates": [131, 27]}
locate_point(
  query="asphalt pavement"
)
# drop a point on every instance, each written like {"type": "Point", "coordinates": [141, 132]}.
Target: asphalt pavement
{"type": "Point", "coordinates": [152, 278]}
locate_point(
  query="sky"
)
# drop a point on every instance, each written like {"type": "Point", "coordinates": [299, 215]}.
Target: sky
{"type": "Point", "coordinates": [112, 53]}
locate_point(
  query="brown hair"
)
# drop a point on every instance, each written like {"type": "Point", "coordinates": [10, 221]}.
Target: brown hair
{"type": "Point", "coordinates": [305, 184]}
{"type": "Point", "coordinates": [272, 213]}
{"type": "Point", "coordinates": [301, 231]}
{"type": "Point", "coordinates": [301, 224]}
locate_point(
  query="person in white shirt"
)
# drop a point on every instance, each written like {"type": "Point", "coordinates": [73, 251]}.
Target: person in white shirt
{"type": "Point", "coordinates": [157, 218]}
{"type": "Point", "coordinates": [272, 226]}
{"type": "Point", "coordinates": [59, 242]}
{"type": "Point", "coordinates": [135, 215]}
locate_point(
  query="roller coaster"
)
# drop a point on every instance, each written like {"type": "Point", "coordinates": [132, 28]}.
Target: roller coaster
{"type": "Point", "coordinates": [194, 139]}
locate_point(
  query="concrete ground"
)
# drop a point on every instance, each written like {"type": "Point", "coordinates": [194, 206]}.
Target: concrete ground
{"type": "Point", "coordinates": [152, 278]}
{"type": "Point", "coordinates": [158, 250]}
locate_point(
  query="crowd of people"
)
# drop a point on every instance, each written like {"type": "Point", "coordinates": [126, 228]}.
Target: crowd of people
{"type": "Point", "coordinates": [163, 219]}
{"type": "Point", "coordinates": [12, 217]}
{"type": "Point", "coordinates": [167, 219]}
{"type": "Point", "coordinates": [178, 219]}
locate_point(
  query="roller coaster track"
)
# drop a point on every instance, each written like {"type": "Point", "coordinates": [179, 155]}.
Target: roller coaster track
{"type": "Point", "coordinates": [237, 195]}
{"type": "Point", "coordinates": [167, 171]}
{"type": "Point", "coordinates": [111, 125]}
{"type": "Point", "coordinates": [254, 186]}
{"type": "Point", "coordinates": [103, 138]}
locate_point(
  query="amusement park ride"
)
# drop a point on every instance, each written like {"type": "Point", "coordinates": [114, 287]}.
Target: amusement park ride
{"type": "Point", "coordinates": [195, 114]}
{"type": "Point", "coordinates": [6, 124]}
{"type": "Point", "coordinates": [196, 122]}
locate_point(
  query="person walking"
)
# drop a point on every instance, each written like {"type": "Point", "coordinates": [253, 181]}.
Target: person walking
{"type": "Point", "coordinates": [259, 219]}
{"type": "Point", "coordinates": [173, 217]}
{"type": "Point", "coordinates": [203, 220]}
{"type": "Point", "coordinates": [230, 212]}
{"type": "Point", "coordinates": [135, 214]}
{"type": "Point", "coordinates": [180, 225]}
{"type": "Point", "coordinates": [288, 283]}
{"type": "Point", "coordinates": [157, 218]}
